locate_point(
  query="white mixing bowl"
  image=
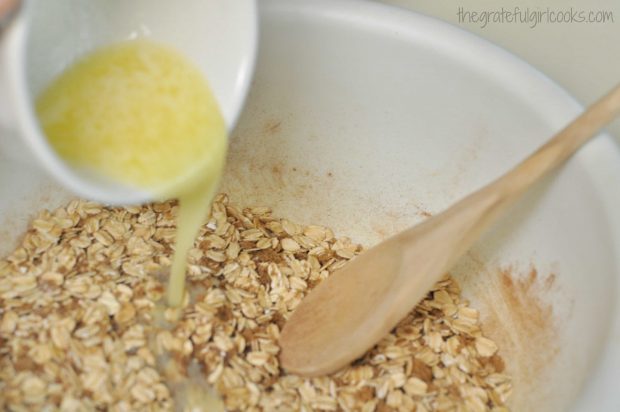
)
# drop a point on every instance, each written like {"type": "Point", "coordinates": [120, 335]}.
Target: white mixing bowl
{"type": "Point", "coordinates": [366, 118]}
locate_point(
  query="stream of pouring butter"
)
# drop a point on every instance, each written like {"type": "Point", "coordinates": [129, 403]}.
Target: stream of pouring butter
{"type": "Point", "coordinates": [193, 208]}
{"type": "Point", "coordinates": [140, 114]}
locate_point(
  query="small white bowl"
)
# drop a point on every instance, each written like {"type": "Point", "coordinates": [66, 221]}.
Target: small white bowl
{"type": "Point", "coordinates": [219, 36]}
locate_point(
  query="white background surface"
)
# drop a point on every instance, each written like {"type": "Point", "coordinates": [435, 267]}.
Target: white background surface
{"type": "Point", "coordinates": [583, 58]}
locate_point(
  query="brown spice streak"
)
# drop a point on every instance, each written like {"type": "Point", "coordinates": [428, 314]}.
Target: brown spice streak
{"type": "Point", "coordinates": [272, 127]}
{"type": "Point", "coordinates": [531, 314]}
{"type": "Point", "coordinates": [520, 319]}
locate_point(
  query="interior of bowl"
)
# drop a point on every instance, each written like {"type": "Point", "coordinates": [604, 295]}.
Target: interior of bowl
{"type": "Point", "coordinates": [368, 119]}
{"type": "Point", "coordinates": [369, 122]}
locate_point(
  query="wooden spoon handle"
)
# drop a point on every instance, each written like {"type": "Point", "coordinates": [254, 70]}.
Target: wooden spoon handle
{"type": "Point", "coordinates": [351, 310]}
{"type": "Point", "coordinates": [561, 146]}
{"type": "Point", "coordinates": [471, 216]}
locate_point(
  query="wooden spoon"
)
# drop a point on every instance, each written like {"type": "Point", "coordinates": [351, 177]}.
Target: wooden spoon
{"type": "Point", "coordinates": [358, 305]}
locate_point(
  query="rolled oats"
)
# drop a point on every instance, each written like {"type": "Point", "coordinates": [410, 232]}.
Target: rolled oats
{"type": "Point", "coordinates": [82, 328]}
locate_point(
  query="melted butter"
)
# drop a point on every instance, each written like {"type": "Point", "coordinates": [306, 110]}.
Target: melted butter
{"type": "Point", "coordinates": [140, 114]}
{"type": "Point", "coordinates": [190, 389]}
